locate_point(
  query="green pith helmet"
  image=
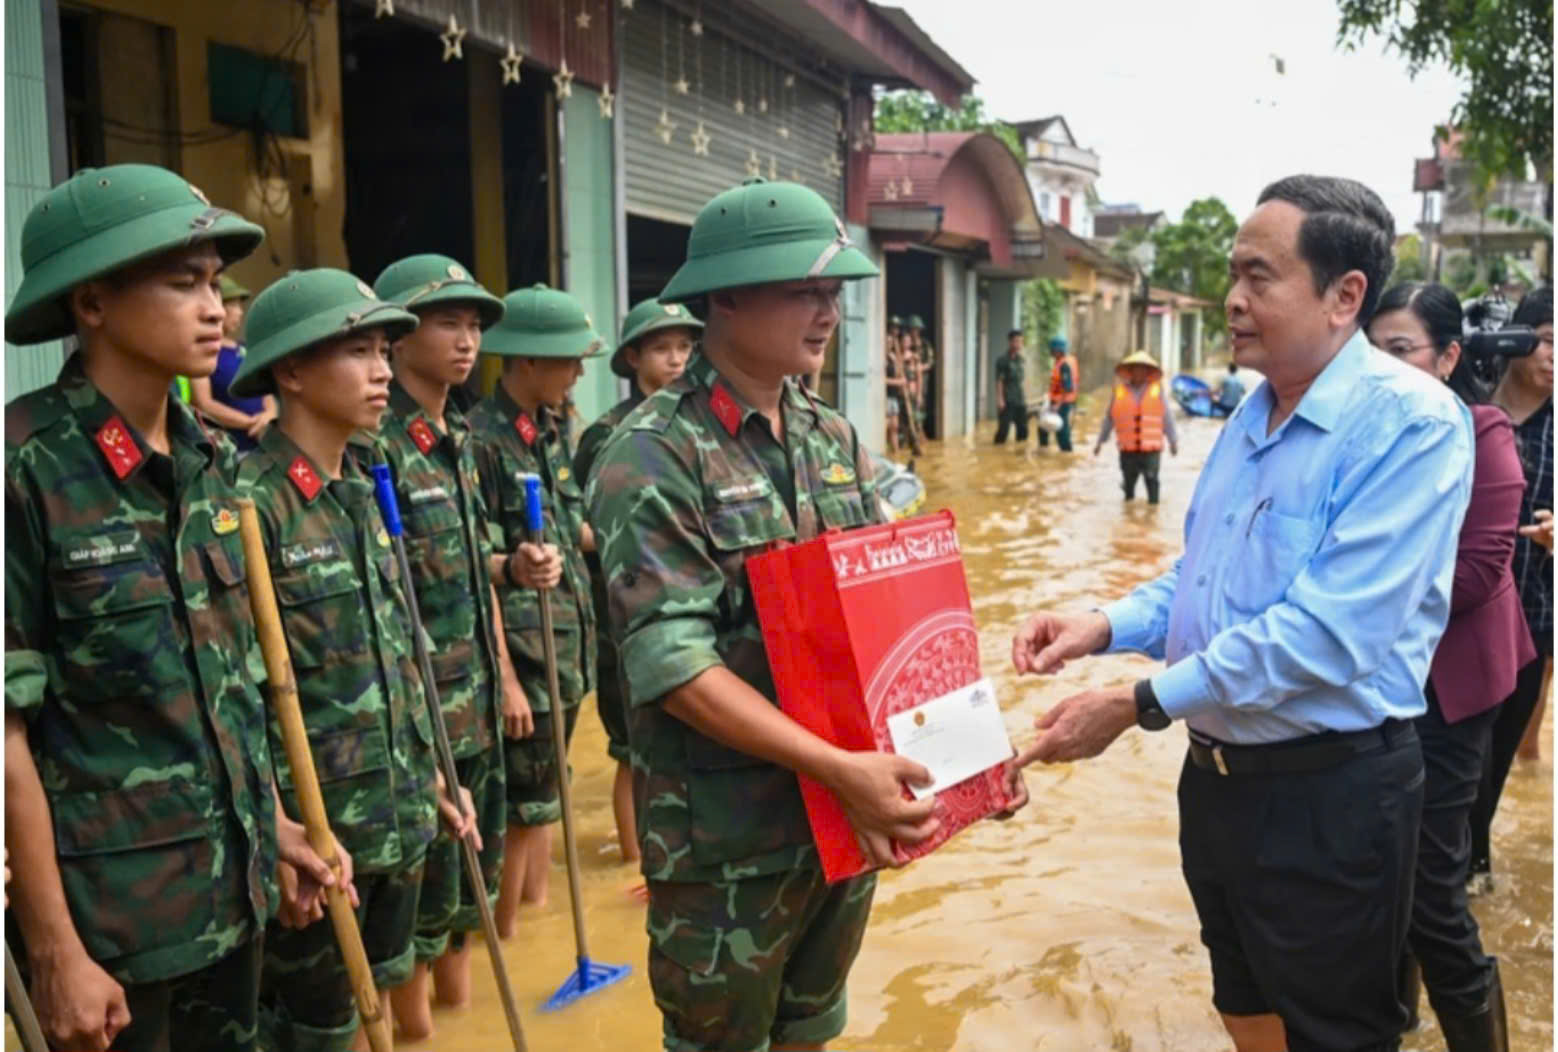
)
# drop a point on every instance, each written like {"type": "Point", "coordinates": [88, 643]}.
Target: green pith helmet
{"type": "Point", "coordinates": [646, 317]}
{"type": "Point", "coordinates": [99, 221]}
{"type": "Point", "coordinates": [541, 322]}
{"type": "Point", "coordinates": [760, 232]}
{"type": "Point", "coordinates": [894, 322]}
{"type": "Point", "coordinates": [305, 308]}
{"type": "Point", "coordinates": [231, 290]}
{"type": "Point", "coordinates": [421, 281]}
{"type": "Point", "coordinates": [916, 322]}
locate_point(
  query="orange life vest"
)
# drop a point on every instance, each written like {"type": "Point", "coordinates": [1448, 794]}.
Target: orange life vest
{"type": "Point", "coordinates": [1138, 425]}
{"type": "Point", "coordinates": [1058, 395]}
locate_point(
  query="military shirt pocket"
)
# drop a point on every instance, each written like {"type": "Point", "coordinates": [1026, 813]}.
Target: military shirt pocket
{"type": "Point", "coordinates": [1273, 552]}
{"type": "Point", "coordinates": [454, 662]}
{"type": "Point", "coordinates": [320, 613]}
{"type": "Point", "coordinates": [339, 755]}
{"type": "Point", "coordinates": [138, 865]}
{"type": "Point", "coordinates": [841, 508]}
{"type": "Point", "coordinates": [115, 628]}
{"type": "Point", "coordinates": [721, 830]}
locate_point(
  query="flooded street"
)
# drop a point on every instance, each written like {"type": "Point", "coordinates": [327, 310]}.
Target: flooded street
{"type": "Point", "coordinates": [1068, 928]}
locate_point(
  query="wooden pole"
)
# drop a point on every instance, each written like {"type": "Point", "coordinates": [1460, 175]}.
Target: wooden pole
{"type": "Point", "coordinates": [311, 803]}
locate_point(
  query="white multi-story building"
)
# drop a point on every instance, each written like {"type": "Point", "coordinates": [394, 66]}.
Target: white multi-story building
{"type": "Point", "coordinates": [1061, 174]}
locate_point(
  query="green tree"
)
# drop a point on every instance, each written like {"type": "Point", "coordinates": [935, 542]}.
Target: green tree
{"type": "Point", "coordinates": [1189, 256]}
{"type": "Point", "coordinates": [1409, 261]}
{"type": "Point", "coordinates": [1503, 48]}
{"type": "Point", "coordinates": [911, 111]}
{"type": "Point", "coordinates": [1043, 307]}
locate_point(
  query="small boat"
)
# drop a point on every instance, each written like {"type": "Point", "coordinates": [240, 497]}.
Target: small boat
{"type": "Point", "coordinates": [898, 488]}
{"type": "Point", "coordinates": [1195, 397]}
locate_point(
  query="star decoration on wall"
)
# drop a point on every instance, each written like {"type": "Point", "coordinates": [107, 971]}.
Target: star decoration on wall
{"type": "Point", "coordinates": [383, 8]}
{"type": "Point", "coordinates": [511, 63]}
{"type": "Point", "coordinates": [696, 27]}
{"type": "Point", "coordinates": [700, 140]}
{"type": "Point", "coordinates": [890, 191]}
{"type": "Point", "coordinates": [754, 165]}
{"type": "Point", "coordinates": [582, 20]}
{"type": "Point", "coordinates": [784, 131]}
{"type": "Point", "coordinates": [665, 127]}
{"type": "Point", "coordinates": [741, 107]}
{"type": "Point", "coordinates": [562, 81]}
{"type": "Point", "coordinates": [867, 136]}
{"type": "Point", "coordinates": [906, 186]}
{"type": "Point", "coordinates": [607, 102]}
{"type": "Point", "coordinates": [831, 165]}
{"type": "Point", "coordinates": [452, 38]}
{"type": "Point", "coordinates": [762, 104]}
{"type": "Point", "coordinates": [681, 86]}
{"type": "Point", "coordinates": [773, 168]}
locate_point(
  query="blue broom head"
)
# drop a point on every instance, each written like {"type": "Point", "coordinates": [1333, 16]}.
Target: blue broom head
{"type": "Point", "coordinates": [586, 979]}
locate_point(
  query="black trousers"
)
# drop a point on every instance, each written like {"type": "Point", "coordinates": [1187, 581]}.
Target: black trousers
{"type": "Point", "coordinates": [1303, 886]}
{"type": "Point", "coordinates": [1508, 729]}
{"type": "Point", "coordinates": [1143, 466]}
{"type": "Point", "coordinates": [1444, 936]}
{"type": "Point", "coordinates": [1012, 416]}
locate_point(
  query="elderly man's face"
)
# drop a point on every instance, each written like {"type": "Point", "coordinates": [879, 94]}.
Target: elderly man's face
{"type": "Point", "coordinates": [1276, 319]}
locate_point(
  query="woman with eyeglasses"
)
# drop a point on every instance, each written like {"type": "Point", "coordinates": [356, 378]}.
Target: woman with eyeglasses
{"type": "Point", "coordinates": [1484, 646]}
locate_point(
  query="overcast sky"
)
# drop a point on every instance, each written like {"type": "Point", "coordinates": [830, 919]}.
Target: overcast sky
{"type": "Point", "coordinates": [1182, 101]}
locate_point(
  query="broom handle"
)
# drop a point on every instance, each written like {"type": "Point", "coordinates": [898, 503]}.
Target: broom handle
{"type": "Point", "coordinates": [310, 801]}
{"type": "Point", "coordinates": [20, 1004]}
{"type": "Point", "coordinates": [389, 507]}
{"type": "Point", "coordinates": [533, 524]}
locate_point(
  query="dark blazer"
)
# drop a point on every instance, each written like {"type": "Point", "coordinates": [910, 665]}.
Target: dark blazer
{"type": "Point", "coordinates": [1486, 642]}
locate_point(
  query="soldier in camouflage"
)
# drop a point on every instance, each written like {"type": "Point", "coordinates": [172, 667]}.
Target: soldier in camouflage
{"type": "Point", "coordinates": [139, 794]}
{"type": "Point", "coordinates": [427, 444]}
{"type": "Point", "coordinates": [544, 337]}
{"type": "Point", "coordinates": [748, 944]}
{"type": "Point", "coordinates": [657, 341]}
{"type": "Point", "coordinates": [320, 341]}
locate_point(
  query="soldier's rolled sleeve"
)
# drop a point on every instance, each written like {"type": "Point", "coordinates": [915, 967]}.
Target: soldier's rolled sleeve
{"type": "Point", "coordinates": [663, 585]}
{"type": "Point", "coordinates": [26, 669]}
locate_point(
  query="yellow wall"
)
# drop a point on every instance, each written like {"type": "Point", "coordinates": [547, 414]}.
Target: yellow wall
{"type": "Point", "coordinates": [304, 209]}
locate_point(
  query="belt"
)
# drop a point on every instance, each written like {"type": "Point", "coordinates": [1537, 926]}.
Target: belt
{"type": "Point", "coordinates": [1297, 756]}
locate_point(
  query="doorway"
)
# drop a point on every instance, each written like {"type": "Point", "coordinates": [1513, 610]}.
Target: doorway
{"type": "Point", "coordinates": [911, 289]}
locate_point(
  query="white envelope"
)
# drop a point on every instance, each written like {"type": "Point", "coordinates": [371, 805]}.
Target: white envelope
{"type": "Point", "coordinates": [955, 736]}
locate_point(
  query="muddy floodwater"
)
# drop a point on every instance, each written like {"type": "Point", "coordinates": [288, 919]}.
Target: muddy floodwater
{"type": "Point", "coordinates": [1068, 928]}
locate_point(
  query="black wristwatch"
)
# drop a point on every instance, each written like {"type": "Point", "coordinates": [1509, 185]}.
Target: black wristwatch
{"type": "Point", "coordinates": [1149, 714]}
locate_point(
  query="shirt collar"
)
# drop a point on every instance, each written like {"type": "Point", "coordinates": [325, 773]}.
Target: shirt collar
{"type": "Point", "coordinates": [703, 372]}
{"type": "Point", "coordinates": [96, 414]}
{"type": "Point", "coordinates": [1327, 396]}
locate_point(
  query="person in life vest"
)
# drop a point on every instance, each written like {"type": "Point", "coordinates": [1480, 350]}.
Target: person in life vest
{"type": "Point", "coordinates": [1139, 416]}
{"type": "Point", "coordinates": [1063, 387]}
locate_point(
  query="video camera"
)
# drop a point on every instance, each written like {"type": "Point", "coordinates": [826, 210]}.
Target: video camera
{"type": "Point", "coordinates": [1489, 336]}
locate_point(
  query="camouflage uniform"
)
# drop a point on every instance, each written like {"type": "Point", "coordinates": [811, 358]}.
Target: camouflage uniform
{"type": "Point", "coordinates": [449, 547]}
{"type": "Point", "coordinates": [610, 697]}
{"type": "Point", "coordinates": [747, 942]}
{"type": "Point", "coordinates": [343, 609]}
{"type": "Point", "coordinates": [510, 443]}
{"type": "Point", "coordinates": [132, 656]}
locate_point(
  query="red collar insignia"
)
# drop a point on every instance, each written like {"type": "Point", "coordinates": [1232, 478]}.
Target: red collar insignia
{"type": "Point", "coordinates": [526, 428]}
{"type": "Point", "coordinates": [122, 451]}
{"type": "Point", "coordinates": [303, 477]}
{"type": "Point", "coordinates": [725, 409]}
{"type": "Point", "coordinates": [422, 434]}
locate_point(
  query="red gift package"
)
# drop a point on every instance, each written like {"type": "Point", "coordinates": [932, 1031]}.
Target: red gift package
{"type": "Point", "coordinates": [860, 626]}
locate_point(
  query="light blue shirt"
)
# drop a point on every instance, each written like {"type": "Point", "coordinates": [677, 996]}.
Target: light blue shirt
{"type": "Point", "coordinates": [1315, 581]}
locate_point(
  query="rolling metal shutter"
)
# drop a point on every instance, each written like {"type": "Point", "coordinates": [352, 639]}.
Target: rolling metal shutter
{"type": "Point", "coordinates": [670, 182]}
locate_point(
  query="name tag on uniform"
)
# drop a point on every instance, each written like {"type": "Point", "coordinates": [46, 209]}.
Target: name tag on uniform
{"type": "Point", "coordinates": [742, 489]}
{"type": "Point", "coordinates": [428, 493]}
{"type": "Point", "coordinates": [101, 551]}
{"type": "Point", "coordinates": [309, 552]}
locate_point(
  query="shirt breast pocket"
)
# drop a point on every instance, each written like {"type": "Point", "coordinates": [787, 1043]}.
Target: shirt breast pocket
{"type": "Point", "coordinates": [841, 508]}
{"type": "Point", "coordinates": [738, 528]}
{"type": "Point", "coordinates": [115, 630]}
{"type": "Point", "coordinates": [321, 615]}
{"type": "Point", "coordinates": [1274, 551]}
